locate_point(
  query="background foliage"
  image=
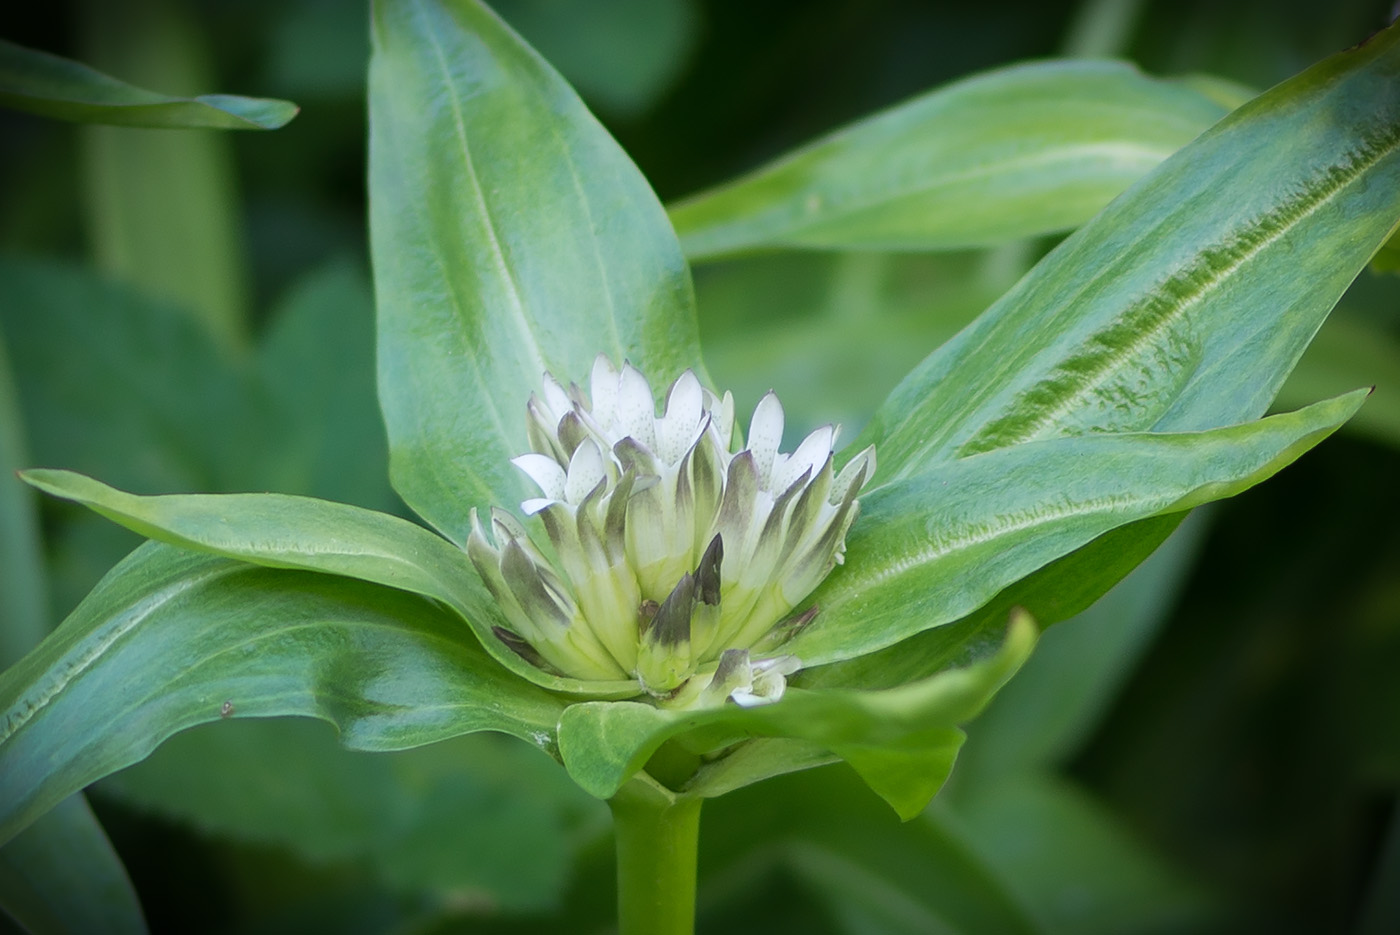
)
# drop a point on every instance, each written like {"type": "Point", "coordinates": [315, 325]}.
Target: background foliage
{"type": "Point", "coordinates": [1215, 745]}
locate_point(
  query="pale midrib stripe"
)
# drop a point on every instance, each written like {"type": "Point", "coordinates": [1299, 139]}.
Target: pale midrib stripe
{"type": "Point", "coordinates": [138, 613]}
{"type": "Point", "coordinates": [517, 304]}
{"type": "Point", "coordinates": [592, 240]}
{"type": "Point", "coordinates": [1101, 374]}
{"type": "Point", "coordinates": [842, 205]}
{"type": "Point", "coordinates": [1018, 521]}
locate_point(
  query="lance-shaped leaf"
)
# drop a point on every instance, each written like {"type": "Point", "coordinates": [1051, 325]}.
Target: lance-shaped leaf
{"type": "Point", "coordinates": [171, 638]}
{"type": "Point", "coordinates": [1184, 304]}
{"type": "Point", "coordinates": [604, 743]}
{"type": "Point", "coordinates": [51, 86]}
{"type": "Point", "coordinates": [279, 531]}
{"type": "Point", "coordinates": [935, 547]}
{"type": "Point", "coordinates": [1016, 152]}
{"type": "Point", "coordinates": [510, 235]}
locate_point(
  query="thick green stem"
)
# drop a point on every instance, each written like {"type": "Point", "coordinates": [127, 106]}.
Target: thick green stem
{"type": "Point", "coordinates": [657, 840]}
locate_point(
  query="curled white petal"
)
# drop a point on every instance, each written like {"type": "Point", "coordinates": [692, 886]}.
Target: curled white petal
{"type": "Point", "coordinates": [544, 471]}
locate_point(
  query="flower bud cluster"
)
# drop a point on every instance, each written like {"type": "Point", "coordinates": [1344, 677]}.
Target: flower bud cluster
{"type": "Point", "coordinates": [676, 562]}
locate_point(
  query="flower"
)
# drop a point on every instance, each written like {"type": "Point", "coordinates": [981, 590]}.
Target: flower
{"type": "Point", "coordinates": [676, 561]}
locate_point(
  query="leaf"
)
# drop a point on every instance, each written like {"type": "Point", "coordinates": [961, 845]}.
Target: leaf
{"type": "Point", "coordinates": [942, 544]}
{"type": "Point", "coordinates": [280, 531]}
{"type": "Point", "coordinates": [208, 638]}
{"type": "Point", "coordinates": [510, 236]}
{"type": "Point", "coordinates": [605, 743]}
{"type": "Point", "coordinates": [1012, 153]}
{"type": "Point", "coordinates": [50, 86]}
{"type": "Point", "coordinates": [288, 783]}
{"type": "Point", "coordinates": [60, 876]}
{"type": "Point", "coordinates": [1184, 304]}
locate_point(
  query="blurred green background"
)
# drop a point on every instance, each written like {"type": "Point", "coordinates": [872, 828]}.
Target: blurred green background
{"type": "Point", "coordinates": [1216, 747]}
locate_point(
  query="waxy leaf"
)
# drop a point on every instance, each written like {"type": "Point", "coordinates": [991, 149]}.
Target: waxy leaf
{"type": "Point", "coordinates": [1025, 150]}
{"type": "Point", "coordinates": [1184, 304]}
{"type": "Point", "coordinates": [511, 236]}
{"type": "Point", "coordinates": [172, 638]}
{"type": "Point", "coordinates": [279, 531]}
{"type": "Point", "coordinates": [604, 743]}
{"type": "Point", "coordinates": [51, 86]}
{"type": "Point", "coordinates": [935, 547]}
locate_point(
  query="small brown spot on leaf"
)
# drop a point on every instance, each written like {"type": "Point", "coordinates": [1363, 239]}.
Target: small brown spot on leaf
{"type": "Point", "coordinates": [226, 710]}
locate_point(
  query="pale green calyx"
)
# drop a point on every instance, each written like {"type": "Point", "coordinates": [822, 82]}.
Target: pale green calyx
{"type": "Point", "coordinates": [678, 562]}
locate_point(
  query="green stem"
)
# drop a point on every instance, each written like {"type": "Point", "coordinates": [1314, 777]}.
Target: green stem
{"type": "Point", "coordinates": [657, 841]}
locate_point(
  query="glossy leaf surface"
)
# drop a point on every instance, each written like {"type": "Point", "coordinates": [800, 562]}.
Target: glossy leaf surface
{"type": "Point", "coordinates": [1184, 304]}
{"type": "Point", "coordinates": [942, 544]}
{"type": "Point", "coordinates": [51, 86]}
{"type": "Point", "coordinates": [208, 638]}
{"type": "Point", "coordinates": [603, 743]}
{"type": "Point", "coordinates": [279, 531]}
{"type": "Point", "coordinates": [1025, 150]}
{"type": "Point", "coordinates": [510, 236]}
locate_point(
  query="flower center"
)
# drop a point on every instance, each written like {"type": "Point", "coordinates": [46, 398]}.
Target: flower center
{"type": "Point", "coordinates": [677, 561]}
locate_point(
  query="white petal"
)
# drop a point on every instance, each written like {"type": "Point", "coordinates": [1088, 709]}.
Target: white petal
{"type": "Point", "coordinates": [603, 390]}
{"type": "Point", "coordinates": [810, 455]}
{"type": "Point", "coordinates": [684, 410]}
{"type": "Point", "coordinates": [556, 399]}
{"type": "Point", "coordinates": [544, 471]}
{"type": "Point", "coordinates": [636, 412]}
{"type": "Point", "coordinates": [765, 435]}
{"type": "Point", "coordinates": [860, 468]}
{"type": "Point", "coordinates": [534, 505]}
{"type": "Point", "coordinates": [586, 469]}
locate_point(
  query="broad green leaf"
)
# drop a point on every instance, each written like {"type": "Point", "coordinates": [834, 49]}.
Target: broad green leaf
{"type": "Point", "coordinates": [281, 531]}
{"type": "Point", "coordinates": [162, 209]}
{"type": "Point", "coordinates": [933, 548]}
{"type": "Point", "coordinates": [1184, 304]}
{"type": "Point", "coordinates": [287, 782]}
{"type": "Point", "coordinates": [1017, 152]}
{"type": "Point", "coordinates": [51, 86]}
{"type": "Point", "coordinates": [604, 743]}
{"type": "Point", "coordinates": [207, 638]}
{"type": "Point", "coordinates": [510, 236]}
{"type": "Point", "coordinates": [1076, 867]}
{"type": "Point", "coordinates": [60, 876]}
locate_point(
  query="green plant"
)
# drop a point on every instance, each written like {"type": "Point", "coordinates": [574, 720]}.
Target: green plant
{"type": "Point", "coordinates": [1031, 462]}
